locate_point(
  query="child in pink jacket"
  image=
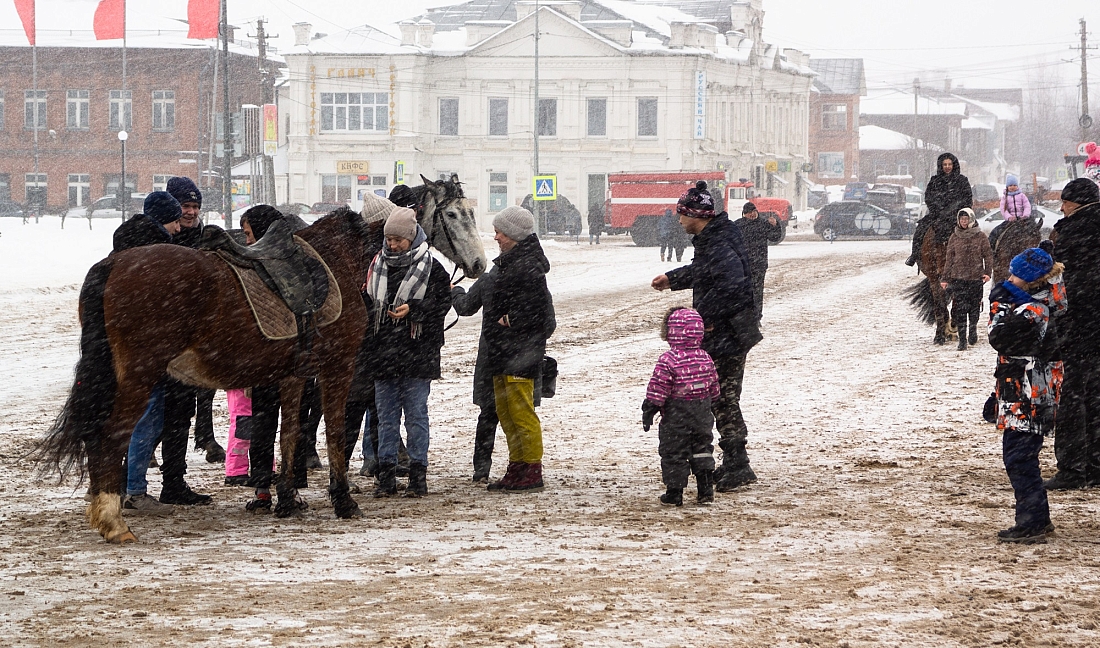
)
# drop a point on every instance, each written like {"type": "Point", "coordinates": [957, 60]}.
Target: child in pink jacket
{"type": "Point", "coordinates": [683, 385]}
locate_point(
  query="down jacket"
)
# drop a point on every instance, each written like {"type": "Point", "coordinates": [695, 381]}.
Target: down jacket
{"type": "Point", "coordinates": [685, 371]}
{"type": "Point", "coordinates": [969, 256]}
{"type": "Point", "coordinates": [522, 301]}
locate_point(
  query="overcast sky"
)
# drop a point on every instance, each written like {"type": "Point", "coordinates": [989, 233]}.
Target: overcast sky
{"type": "Point", "coordinates": [986, 43]}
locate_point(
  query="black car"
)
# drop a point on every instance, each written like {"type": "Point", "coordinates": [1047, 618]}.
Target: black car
{"type": "Point", "coordinates": [9, 208]}
{"type": "Point", "coordinates": [561, 216]}
{"type": "Point", "coordinates": [858, 218]}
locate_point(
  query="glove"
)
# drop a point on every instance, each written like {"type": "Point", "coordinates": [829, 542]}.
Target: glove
{"type": "Point", "coordinates": [649, 409]}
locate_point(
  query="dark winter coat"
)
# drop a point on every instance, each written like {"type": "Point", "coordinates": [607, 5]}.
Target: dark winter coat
{"type": "Point", "coordinates": [395, 353]}
{"type": "Point", "coordinates": [756, 233]}
{"type": "Point", "coordinates": [595, 219]}
{"type": "Point", "coordinates": [667, 226]}
{"type": "Point", "coordinates": [968, 256]}
{"type": "Point", "coordinates": [721, 284]}
{"type": "Point", "coordinates": [1077, 246]}
{"type": "Point", "coordinates": [1009, 239]}
{"type": "Point", "coordinates": [140, 231]}
{"type": "Point", "coordinates": [467, 303]}
{"type": "Point", "coordinates": [189, 236]}
{"type": "Point", "coordinates": [946, 194]}
{"type": "Point", "coordinates": [519, 296]}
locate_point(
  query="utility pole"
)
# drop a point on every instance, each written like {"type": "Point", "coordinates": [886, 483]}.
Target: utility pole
{"type": "Point", "coordinates": [267, 94]}
{"type": "Point", "coordinates": [537, 204]}
{"type": "Point", "coordinates": [227, 125]}
{"type": "Point", "coordinates": [1085, 120]}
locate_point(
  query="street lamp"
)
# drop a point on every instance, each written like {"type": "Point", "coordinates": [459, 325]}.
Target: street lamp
{"type": "Point", "coordinates": [123, 192]}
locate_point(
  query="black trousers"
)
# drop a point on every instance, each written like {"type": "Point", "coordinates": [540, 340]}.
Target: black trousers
{"type": "Point", "coordinates": [966, 304]}
{"type": "Point", "coordinates": [265, 424]}
{"type": "Point", "coordinates": [1077, 435]}
{"type": "Point", "coordinates": [181, 403]}
{"type": "Point", "coordinates": [732, 431]}
{"type": "Point", "coordinates": [758, 290]}
{"type": "Point", "coordinates": [685, 440]}
{"type": "Point", "coordinates": [1021, 456]}
{"type": "Point", "coordinates": [354, 413]}
{"type": "Point", "coordinates": [485, 438]}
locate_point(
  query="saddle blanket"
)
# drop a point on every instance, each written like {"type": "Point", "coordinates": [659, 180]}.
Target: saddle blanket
{"type": "Point", "coordinates": [275, 320]}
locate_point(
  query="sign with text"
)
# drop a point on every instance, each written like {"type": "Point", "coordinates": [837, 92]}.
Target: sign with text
{"type": "Point", "coordinates": [356, 167]}
{"type": "Point", "coordinates": [699, 128]}
{"type": "Point", "coordinates": [271, 129]}
{"type": "Point", "coordinates": [771, 166]}
{"type": "Point", "coordinates": [546, 187]}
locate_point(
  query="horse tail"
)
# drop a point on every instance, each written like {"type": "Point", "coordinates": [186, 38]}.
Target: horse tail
{"type": "Point", "coordinates": [921, 298]}
{"type": "Point", "coordinates": [79, 426]}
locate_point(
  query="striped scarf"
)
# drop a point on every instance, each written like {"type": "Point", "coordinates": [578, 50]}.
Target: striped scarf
{"type": "Point", "coordinates": [413, 286]}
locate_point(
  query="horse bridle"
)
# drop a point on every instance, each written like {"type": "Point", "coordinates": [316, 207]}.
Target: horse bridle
{"type": "Point", "coordinates": [455, 278]}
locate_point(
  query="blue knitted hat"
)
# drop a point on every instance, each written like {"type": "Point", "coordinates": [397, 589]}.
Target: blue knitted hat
{"type": "Point", "coordinates": [162, 207]}
{"type": "Point", "coordinates": [184, 190]}
{"type": "Point", "coordinates": [1031, 264]}
{"type": "Point", "coordinates": [1012, 180]}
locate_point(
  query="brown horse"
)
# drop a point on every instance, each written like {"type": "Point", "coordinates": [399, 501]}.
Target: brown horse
{"type": "Point", "coordinates": [136, 318]}
{"type": "Point", "coordinates": [928, 296]}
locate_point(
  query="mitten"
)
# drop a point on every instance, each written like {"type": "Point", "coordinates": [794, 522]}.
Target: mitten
{"type": "Point", "coordinates": [649, 409]}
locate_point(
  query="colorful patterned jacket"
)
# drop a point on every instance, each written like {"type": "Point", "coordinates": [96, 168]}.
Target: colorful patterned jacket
{"type": "Point", "coordinates": [685, 371]}
{"type": "Point", "coordinates": [1022, 329]}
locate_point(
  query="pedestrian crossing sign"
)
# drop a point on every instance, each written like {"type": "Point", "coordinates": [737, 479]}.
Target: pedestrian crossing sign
{"type": "Point", "coordinates": [546, 187]}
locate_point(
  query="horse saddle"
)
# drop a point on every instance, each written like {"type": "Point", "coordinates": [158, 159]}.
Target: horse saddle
{"type": "Point", "coordinates": [299, 279]}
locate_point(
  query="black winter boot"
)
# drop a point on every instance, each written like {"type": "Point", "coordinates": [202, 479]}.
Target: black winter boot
{"type": "Point", "coordinates": [387, 480]}
{"type": "Point", "coordinates": [176, 491]}
{"type": "Point", "coordinates": [673, 497]}
{"type": "Point", "coordinates": [962, 341]}
{"type": "Point", "coordinates": [704, 480]}
{"type": "Point", "coordinates": [972, 339]}
{"type": "Point", "coordinates": [418, 482]}
{"type": "Point", "coordinates": [735, 471]}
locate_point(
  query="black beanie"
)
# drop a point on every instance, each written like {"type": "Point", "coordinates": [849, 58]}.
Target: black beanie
{"type": "Point", "coordinates": [260, 218]}
{"type": "Point", "coordinates": [162, 207]}
{"type": "Point", "coordinates": [748, 208]}
{"type": "Point", "coordinates": [696, 202]}
{"type": "Point", "coordinates": [1081, 191]}
{"type": "Point", "coordinates": [403, 196]}
{"type": "Point", "coordinates": [184, 190]}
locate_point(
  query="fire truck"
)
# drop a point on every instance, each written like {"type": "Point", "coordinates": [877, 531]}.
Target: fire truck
{"type": "Point", "coordinates": [740, 192]}
{"type": "Point", "coordinates": [638, 200]}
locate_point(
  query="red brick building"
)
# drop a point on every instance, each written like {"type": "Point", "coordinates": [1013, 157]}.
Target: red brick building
{"type": "Point", "coordinates": [80, 107]}
{"type": "Point", "coordinates": [834, 119]}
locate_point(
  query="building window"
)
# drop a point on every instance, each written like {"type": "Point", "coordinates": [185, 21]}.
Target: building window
{"type": "Point", "coordinates": [164, 110]}
{"type": "Point", "coordinates": [903, 168]}
{"type": "Point", "coordinates": [880, 168]}
{"type": "Point", "coordinates": [379, 180]}
{"type": "Point", "coordinates": [35, 189]}
{"type": "Point", "coordinates": [336, 188]}
{"type": "Point", "coordinates": [121, 115]}
{"type": "Point", "coordinates": [647, 116]}
{"type": "Point", "coordinates": [448, 116]}
{"type": "Point", "coordinates": [597, 117]}
{"type": "Point", "coordinates": [830, 165]}
{"type": "Point", "coordinates": [834, 117]}
{"type": "Point", "coordinates": [80, 189]}
{"type": "Point", "coordinates": [498, 191]}
{"type": "Point", "coordinates": [160, 181]}
{"type": "Point", "coordinates": [498, 117]}
{"type": "Point", "coordinates": [34, 109]}
{"type": "Point", "coordinates": [355, 111]}
{"type": "Point", "coordinates": [5, 186]}
{"type": "Point", "coordinates": [76, 109]}
{"type": "Point", "coordinates": [110, 183]}
{"type": "Point", "coordinates": [548, 117]}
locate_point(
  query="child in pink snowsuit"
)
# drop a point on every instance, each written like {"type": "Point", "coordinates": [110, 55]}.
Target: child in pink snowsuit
{"type": "Point", "coordinates": [683, 385]}
{"type": "Point", "coordinates": [240, 437]}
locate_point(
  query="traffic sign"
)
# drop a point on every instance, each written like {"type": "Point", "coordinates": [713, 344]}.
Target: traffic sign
{"type": "Point", "coordinates": [546, 187]}
{"type": "Point", "coordinates": [771, 166]}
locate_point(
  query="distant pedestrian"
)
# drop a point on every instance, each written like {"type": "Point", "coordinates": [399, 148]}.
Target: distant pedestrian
{"type": "Point", "coordinates": [595, 223]}
{"type": "Point", "coordinates": [1029, 380]}
{"type": "Point", "coordinates": [667, 225]}
{"type": "Point", "coordinates": [1077, 245]}
{"type": "Point", "coordinates": [758, 233]}
{"type": "Point", "coordinates": [682, 389]}
{"type": "Point", "coordinates": [969, 265]}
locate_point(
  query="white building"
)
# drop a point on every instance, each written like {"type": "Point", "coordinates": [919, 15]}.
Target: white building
{"type": "Point", "coordinates": [623, 86]}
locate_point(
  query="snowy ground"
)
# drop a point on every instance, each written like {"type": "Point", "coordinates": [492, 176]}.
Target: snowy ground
{"type": "Point", "coordinates": [872, 524]}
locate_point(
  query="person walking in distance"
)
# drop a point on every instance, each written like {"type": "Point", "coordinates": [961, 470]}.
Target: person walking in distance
{"type": "Point", "coordinates": [758, 233]}
{"type": "Point", "coordinates": [1076, 240]}
{"type": "Point", "coordinates": [969, 265]}
{"type": "Point", "coordinates": [720, 280]}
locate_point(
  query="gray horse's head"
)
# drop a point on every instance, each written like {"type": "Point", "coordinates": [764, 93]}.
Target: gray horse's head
{"type": "Point", "coordinates": [449, 222]}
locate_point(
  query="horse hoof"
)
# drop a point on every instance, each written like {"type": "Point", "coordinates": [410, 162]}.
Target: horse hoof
{"type": "Point", "coordinates": [123, 538]}
{"type": "Point", "coordinates": [349, 513]}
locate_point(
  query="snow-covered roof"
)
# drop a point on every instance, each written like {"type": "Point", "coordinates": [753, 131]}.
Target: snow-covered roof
{"type": "Point", "coordinates": [876, 138]}
{"type": "Point", "coordinates": [893, 101]}
{"type": "Point", "coordinates": [839, 76]}
{"type": "Point", "coordinates": [1002, 111]}
{"type": "Point", "coordinates": [174, 38]}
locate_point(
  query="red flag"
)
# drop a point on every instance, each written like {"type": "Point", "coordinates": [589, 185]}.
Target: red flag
{"type": "Point", "coordinates": [203, 18]}
{"type": "Point", "coordinates": [26, 14]}
{"type": "Point", "coordinates": [110, 19]}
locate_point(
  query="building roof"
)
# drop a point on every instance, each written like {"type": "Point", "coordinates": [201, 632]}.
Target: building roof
{"type": "Point", "coordinates": [876, 138]}
{"type": "Point", "coordinates": [894, 101]}
{"type": "Point", "coordinates": [839, 76]}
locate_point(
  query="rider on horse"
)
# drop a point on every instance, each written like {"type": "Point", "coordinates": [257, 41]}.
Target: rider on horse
{"type": "Point", "coordinates": [948, 191]}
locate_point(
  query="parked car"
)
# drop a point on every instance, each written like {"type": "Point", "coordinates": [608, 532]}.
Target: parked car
{"type": "Point", "coordinates": [995, 218]}
{"type": "Point", "coordinates": [322, 208]}
{"type": "Point", "coordinates": [561, 216]}
{"type": "Point", "coordinates": [987, 197]}
{"type": "Point", "coordinates": [107, 207]}
{"type": "Point", "coordinates": [890, 197]}
{"type": "Point", "coordinates": [856, 190]}
{"type": "Point", "coordinates": [858, 218]}
{"type": "Point", "coordinates": [914, 201]}
{"type": "Point", "coordinates": [295, 209]}
{"type": "Point", "coordinates": [10, 208]}
{"type": "Point", "coordinates": [817, 197]}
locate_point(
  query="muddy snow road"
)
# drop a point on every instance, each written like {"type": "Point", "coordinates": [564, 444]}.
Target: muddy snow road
{"type": "Point", "coordinates": [873, 521]}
